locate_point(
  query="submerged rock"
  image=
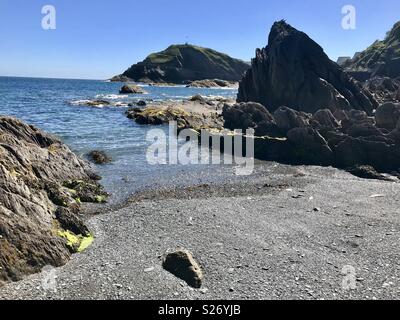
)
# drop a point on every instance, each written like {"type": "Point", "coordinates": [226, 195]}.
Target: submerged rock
{"type": "Point", "coordinates": [97, 103]}
{"type": "Point", "coordinates": [216, 83]}
{"type": "Point", "coordinates": [294, 71]}
{"type": "Point", "coordinates": [99, 157]}
{"type": "Point", "coordinates": [198, 98]}
{"type": "Point", "coordinates": [182, 264]}
{"type": "Point", "coordinates": [33, 168]}
{"type": "Point", "coordinates": [132, 88]}
{"type": "Point", "coordinates": [141, 103]}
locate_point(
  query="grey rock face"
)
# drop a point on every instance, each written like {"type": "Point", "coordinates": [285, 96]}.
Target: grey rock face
{"type": "Point", "coordinates": [294, 71]}
{"type": "Point", "coordinates": [287, 119]}
{"type": "Point", "coordinates": [382, 58]}
{"type": "Point", "coordinates": [388, 115]}
{"type": "Point", "coordinates": [384, 89]}
{"type": "Point", "coordinates": [250, 115]}
{"type": "Point", "coordinates": [33, 169]}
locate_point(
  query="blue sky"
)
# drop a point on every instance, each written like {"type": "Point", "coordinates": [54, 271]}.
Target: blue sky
{"type": "Point", "coordinates": [97, 39]}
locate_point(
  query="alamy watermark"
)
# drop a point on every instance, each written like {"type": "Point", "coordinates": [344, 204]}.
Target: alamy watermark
{"type": "Point", "coordinates": [349, 279]}
{"type": "Point", "coordinates": [349, 20]}
{"type": "Point", "coordinates": [49, 279]}
{"type": "Point", "coordinates": [202, 148]}
{"type": "Point", "coordinates": [49, 20]}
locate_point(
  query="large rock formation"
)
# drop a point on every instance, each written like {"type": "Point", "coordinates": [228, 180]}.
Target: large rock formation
{"type": "Point", "coordinates": [42, 184]}
{"type": "Point", "coordinates": [184, 63]}
{"type": "Point", "coordinates": [345, 139]}
{"type": "Point", "coordinates": [294, 71]}
{"type": "Point", "coordinates": [382, 58]}
{"type": "Point", "coordinates": [132, 88]}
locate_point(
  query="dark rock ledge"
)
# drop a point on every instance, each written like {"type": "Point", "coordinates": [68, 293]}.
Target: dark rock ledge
{"type": "Point", "coordinates": [344, 139]}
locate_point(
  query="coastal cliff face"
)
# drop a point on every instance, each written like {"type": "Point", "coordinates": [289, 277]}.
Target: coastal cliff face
{"type": "Point", "coordinates": [382, 58]}
{"type": "Point", "coordinates": [42, 184]}
{"type": "Point", "coordinates": [294, 71]}
{"type": "Point", "coordinates": [184, 63]}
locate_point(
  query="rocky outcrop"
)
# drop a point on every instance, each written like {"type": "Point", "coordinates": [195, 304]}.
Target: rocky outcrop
{"type": "Point", "coordinates": [346, 139]}
{"type": "Point", "coordinates": [216, 83]}
{"type": "Point", "coordinates": [39, 201]}
{"type": "Point", "coordinates": [98, 103]}
{"type": "Point", "coordinates": [384, 89]}
{"type": "Point", "coordinates": [197, 113]}
{"type": "Point", "coordinates": [294, 71]}
{"type": "Point", "coordinates": [287, 119]}
{"type": "Point", "coordinates": [99, 157]}
{"type": "Point", "coordinates": [388, 115]}
{"type": "Point", "coordinates": [325, 119]}
{"type": "Point", "coordinates": [382, 58]}
{"type": "Point", "coordinates": [158, 115]}
{"type": "Point", "coordinates": [180, 64]}
{"type": "Point", "coordinates": [132, 88]}
{"type": "Point", "coordinates": [120, 78]}
{"type": "Point", "coordinates": [308, 146]}
{"type": "Point", "coordinates": [368, 172]}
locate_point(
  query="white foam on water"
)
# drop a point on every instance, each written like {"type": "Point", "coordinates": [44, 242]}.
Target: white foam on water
{"type": "Point", "coordinates": [79, 102]}
{"type": "Point", "coordinates": [111, 96]}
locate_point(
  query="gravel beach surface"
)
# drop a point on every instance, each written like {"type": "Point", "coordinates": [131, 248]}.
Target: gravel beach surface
{"type": "Point", "coordinates": [284, 232]}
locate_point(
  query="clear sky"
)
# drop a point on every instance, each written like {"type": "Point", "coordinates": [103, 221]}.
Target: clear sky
{"type": "Point", "coordinates": [97, 39]}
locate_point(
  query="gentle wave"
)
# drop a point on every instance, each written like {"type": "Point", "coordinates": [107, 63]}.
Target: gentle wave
{"type": "Point", "coordinates": [88, 103]}
{"type": "Point", "coordinates": [111, 96]}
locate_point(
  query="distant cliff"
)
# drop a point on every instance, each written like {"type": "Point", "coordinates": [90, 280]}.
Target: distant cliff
{"type": "Point", "coordinates": [382, 58]}
{"type": "Point", "coordinates": [184, 63]}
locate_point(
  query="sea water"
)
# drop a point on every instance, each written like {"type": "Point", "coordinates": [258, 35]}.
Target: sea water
{"type": "Point", "coordinates": [57, 106]}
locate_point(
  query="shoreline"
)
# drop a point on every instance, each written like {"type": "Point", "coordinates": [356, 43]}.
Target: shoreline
{"type": "Point", "coordinates": [283, 232]}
